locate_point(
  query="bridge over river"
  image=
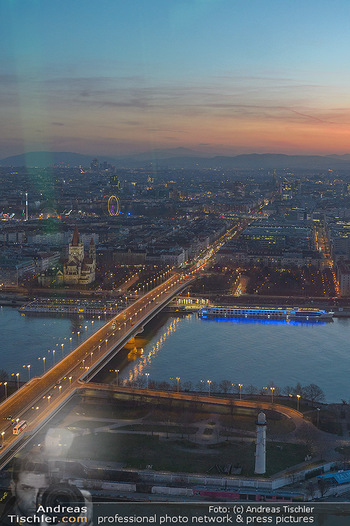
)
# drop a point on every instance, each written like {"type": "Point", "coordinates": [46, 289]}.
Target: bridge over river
{"type": "Point", "coordinates": [39, 399]}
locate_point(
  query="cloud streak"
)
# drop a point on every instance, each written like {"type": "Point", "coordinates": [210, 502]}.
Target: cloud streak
{"type": "Point", "coordinates": [240, 109]}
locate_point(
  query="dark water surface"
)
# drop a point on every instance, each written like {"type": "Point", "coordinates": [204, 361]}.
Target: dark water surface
{"type": "Point", "coordinates": [249, 352]}
{"type": "Point", "coordinates": [195, 350]}
{"type": "Point", "coordinates": [26, 338]}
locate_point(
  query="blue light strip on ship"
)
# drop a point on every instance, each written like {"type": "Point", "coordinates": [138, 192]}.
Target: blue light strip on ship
{"type": "Point", "coordinates": [263, 321]}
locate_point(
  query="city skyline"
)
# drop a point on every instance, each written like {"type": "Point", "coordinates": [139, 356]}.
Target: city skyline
{"type": "Point", "coordinates": [212, 76]}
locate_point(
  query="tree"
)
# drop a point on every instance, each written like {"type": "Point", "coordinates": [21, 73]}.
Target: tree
{"type": "Point", "coordinates": [273, 387]}
{"type": "Point", "coordinates": [323, 486]}
{"type": "Point", "coordinates": [298, 389]}
{"type": "Point", "coordinates": [213, 387]}
{"type": "Point", "coordinates": [287, 390]}
{"type": "Point", "coordinates": [187, 386]}
{"type": "Point", "coordinates": [311, 489]}
{"type": "Point", "coordinates": [308, 435]}
{"type": "Point", "coordinates": [314, 393]}
{"type": "Point", "coordinates": [3, 375]}
{"type": "Point", "coordinates": [225, 386]}
{"type": "Point", "coordinates": [164, 386]}
{"type": "Point", "coordinates": [200, 386]}
{"type": "Point", "coordinates": [251, 389]}
{"type": "Point", "coordinates": [140, 382]}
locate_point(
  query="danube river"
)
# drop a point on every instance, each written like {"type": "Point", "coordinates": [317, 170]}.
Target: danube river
{"type": "Point", "coordinates": [37, 341]}
{"type": "Point", "coordinates": [249, 353]}
{"type": "Point", "coordinates": [194, 350]}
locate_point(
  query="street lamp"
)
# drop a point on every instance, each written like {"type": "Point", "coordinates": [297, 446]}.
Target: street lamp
{"type": "Point", "coordinates": [209, 382]}
{"type": "Point", "coordinates": [318, 416]}
{"type": "Point", "coordinates": [44, 362]}
{"type": "Point", "coordinates": [2, 438]}
{"type": "Point", "coordinates": [48, 399]}
{"type": "Point", "coordinates": [53, 356]}
{"type": "Point", "coordinates": [240, 391]}
{"type": "Point", "coordinates": [17, 375]}
{"type": "Point", "coordinates": [5, 385]}
{"type": "Point", "coordinates": [177, 379]}
{"type": "Point", "coordinates": [272, 390]}
{"type": "Point", "coordinates": [147, 375]}
{"type": "Point", "coordinates": [117, 371]}
{"type": "Point", "coordinates": [70, 380]}
{"type": "Point", "coordinates": [62, 345]}
{"type": "Point", "coordinates": [28, 367]}
{"type": "Point", "coordinates": [298, 402]}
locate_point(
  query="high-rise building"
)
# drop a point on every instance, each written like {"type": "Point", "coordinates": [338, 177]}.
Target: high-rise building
{"type": "Point", "coordinates": [114, 183]}
{"type": "Point", "coordinates": [274, 180]}
{"type": "Point", "coordinates": [286, 190]}
{"type": "Point", "coordinates": [94, 165]}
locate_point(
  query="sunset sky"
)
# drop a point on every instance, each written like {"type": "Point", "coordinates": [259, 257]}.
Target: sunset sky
{"type": "Point", "coordinates": [219, 76]}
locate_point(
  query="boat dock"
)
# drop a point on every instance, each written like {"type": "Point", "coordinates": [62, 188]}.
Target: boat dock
{"type": "Point", "coordinates": [66, 306]}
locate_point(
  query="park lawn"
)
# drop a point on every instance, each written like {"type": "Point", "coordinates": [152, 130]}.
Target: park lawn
{"type": "Point", "coordinates": [160, 428]}
{"type": "Point", "coordinates": [138, 451]}
{"type": "Point", "coordinates": [227, 433]}
{"type": "Point", "coordinates": [91, 424]}
{"type": "Point", "coordinates": [281, 455]}
{"type": "Point", "coordinates": [176, 414]}
{"type": "Point", "coordinates": [244, 422]}
{"type": "Point", "coordinates": [188, 414]}
{"type": "Point", "coordinates": [112, 411]}
{"type": "Point", "coordinates": [280, 426]}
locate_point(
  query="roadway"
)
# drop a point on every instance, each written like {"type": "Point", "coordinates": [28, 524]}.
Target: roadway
{"type": "Point", "coordinates": [151, 394]}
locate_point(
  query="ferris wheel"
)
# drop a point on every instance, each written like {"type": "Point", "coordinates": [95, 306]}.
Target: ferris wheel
{"type": "Point", "coordinates": [113, 205]}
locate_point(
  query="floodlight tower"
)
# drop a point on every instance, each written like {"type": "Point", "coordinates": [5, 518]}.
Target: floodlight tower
{"type": "Point", "coordinates": [260, 450]}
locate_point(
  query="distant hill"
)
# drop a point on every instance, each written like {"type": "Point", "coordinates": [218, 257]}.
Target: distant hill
{"type": "Point", "coordinates": [44, 159]}
{"type": "Point", "coordinates": [345, 157]}
{"type": "Point", "coordinates": [259, 161]}
{"type": "Point", "coordinates": [185, 158]}
{"type": "Point", "coordinates": [168, 154]}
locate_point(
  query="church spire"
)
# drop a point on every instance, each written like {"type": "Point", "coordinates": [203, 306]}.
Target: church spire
{"type": "Point", "coordinates": [75, 240]}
